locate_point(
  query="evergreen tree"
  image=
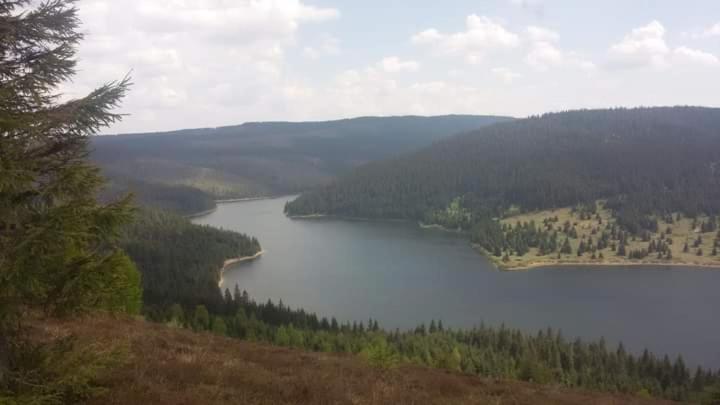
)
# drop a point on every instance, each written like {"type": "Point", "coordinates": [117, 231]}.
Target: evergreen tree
{"type": "Point", "coordinates": [201, 318]}
{"type": "Point", "coordinates": [58, 248]}
{"type": "Point", "coordinates": [60, 253]}
{"type": "Point", "coordinates": [581, 248]}
{"type": "Point", "coordinates": [621, 249]}
{"type": "Point", "coordinates": [566, 248]}
{"type": "Point", "coordinates": [218, 326]}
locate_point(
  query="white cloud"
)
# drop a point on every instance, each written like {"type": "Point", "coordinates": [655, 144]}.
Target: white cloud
{"type": "Point", "coordinates": [372, 91]}
{"type": "Point", "coordinates": [545, 55]}
{"type": "Point", "coordinates": [712, 31]}
{"type": "Point", "coordinates": [646, 47]}
{"type": "Point", "coordinates": [542, 34]}
{"type": "Point", "coordinates": [685, 54]}
{"type": "Point", "coordinates": [329, 45]}
{"type": "Point", "coordinates": [393, 64]}
{"type": "Point", "coordinates": [216, 62]}
{"type": "Point", "coordinates": [643, 46]}
{"type": "Point", "coordinates": [505, 74]}
{"type": "Point", "coordinates": [194, 62]}
{"type": "Point", "coordinates": [481, 36]}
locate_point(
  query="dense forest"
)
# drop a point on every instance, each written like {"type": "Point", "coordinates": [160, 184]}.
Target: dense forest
{"type": "Point", "coordinates": [546, 357]}
{"type": "Point", "coordinates": [178, 199]}
{"type": "Point", "coordinates": [261, 159]}
{"type": "Point", "coordinates": [180, 261]}
{"type": "Point", "coordinates": [644, 162]}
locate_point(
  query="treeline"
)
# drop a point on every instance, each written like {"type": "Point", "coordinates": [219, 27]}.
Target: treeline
{"type": "Point", "coordinates": [645, 161]}
{"type": "Point", "coordinates": [178, 199]}
{"type": "Point", "coordinates": [180, 261]}
{"type": "Point", "coordinates": [270, 158]}
{"type": "Point", "coordinates": [546, 357]}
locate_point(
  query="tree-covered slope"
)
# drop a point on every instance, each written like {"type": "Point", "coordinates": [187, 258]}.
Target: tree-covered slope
{"type": "Point", "coordinates": [258, 159]}
{"type": "Point", "coordinates": [644, 160]}
{"type": "Point", "coordinates": [177, 199]}
{"type": "Point", "coordinates": [179, 261]}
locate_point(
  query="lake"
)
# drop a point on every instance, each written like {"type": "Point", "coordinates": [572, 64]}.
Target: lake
{"type": "Point", "coordinates": [403, 275]}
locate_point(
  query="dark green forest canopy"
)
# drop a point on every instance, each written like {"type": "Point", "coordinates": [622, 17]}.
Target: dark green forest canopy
{"type": "Point", "coordinates": [261, 159]}
{"type": "Point", "coordinates": [500, 352]}
{"type": "Point", "coordinates": [180, 261]}
{"type": "Point", "coordinates": [177, 199]}
{"type": "Point", "coordinates": [645, 160]}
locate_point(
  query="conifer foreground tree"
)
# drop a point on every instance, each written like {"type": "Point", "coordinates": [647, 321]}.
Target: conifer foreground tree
{"type": "Point", "coordinates": [57, 244]}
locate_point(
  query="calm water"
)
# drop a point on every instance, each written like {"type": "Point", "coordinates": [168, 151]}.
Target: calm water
{"type": "Point", "coordinates": [403, 276]}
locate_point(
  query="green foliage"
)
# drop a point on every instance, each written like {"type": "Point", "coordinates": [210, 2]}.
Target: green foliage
{"type": "Point", "coordinates": [379, 354]}
{"type": "Point", "coordinates": [218, 326]}
{"type": "Point", "coordinates": [122, 291]}
{"type": "Point", "coordinates": [178, 199]}
{"type": "Point", "coordinates": [645, 160]}
{"type": "Point", "coordinates": [259, 159]}
{"type": "Point", "coordinates": [201, 318]}
{"type": "Point", "coordinates": [455, 216]}
{"type": "Point", "coordinates": [58, 244]}
{"type": "Point", "coordinates": [499, 352]}
{"type": "Point", "coordinates": [179, 261]}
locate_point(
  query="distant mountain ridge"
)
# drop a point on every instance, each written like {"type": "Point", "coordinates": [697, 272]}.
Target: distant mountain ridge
{"type": "Point", "coordinates": [644, 160]}
{"type": "Point", "coordinates": [260, 159]}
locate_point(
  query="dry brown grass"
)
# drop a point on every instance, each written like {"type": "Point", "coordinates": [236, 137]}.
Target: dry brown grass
{"type": "Point", "coordinates": [172, 366]}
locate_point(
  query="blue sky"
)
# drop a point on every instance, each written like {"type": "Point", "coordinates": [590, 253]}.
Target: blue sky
{"type": "Point", "coordinates": [204, 63]}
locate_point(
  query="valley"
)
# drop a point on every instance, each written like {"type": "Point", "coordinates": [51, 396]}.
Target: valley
{"type": "Point", "coordinates": [380, 228]}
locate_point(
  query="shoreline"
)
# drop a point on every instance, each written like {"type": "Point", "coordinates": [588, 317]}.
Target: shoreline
{"type": "Point", "coordinates": [230, 201]}
{"type": "Point", "coordinates": [569, 263]}
{"type": "Point", "coordinates": [531, 266]}
{"type": "Point", "coordinates": [233, 200]}
{"type": "Point", "coordinates": [439, 227]}
{"type": "Point", "coordinates": [230, 262]}
{"type": "Point", "coordinates": [345, 218]}
{"type": "Point", "coordinates": [200, 214]}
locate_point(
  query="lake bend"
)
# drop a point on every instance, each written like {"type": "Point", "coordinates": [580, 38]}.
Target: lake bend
{"type": "Point", "coordinates": [403, 275]}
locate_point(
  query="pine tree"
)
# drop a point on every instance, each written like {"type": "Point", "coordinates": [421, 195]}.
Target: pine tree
{"type": "Point", "coordinates": [58, 245]}
{"type": "Point", "coordinates": [566, 248]}
{"type": "Point", "coordinates": [61, 253]}
{"type": "Point", "coordinates": [581, 248]}
{"type": "Point", "coordinates": [621, 250]}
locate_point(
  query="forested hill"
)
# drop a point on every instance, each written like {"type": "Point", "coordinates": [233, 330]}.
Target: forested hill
{"type": "Point", "coordinates": [177, 199]}
{"type": "Point", "coordinates": [180, 261]}
{"type": "Point", "coordinates": [644, 160]}
{"type": "Point", "coordinates": [259, 159]}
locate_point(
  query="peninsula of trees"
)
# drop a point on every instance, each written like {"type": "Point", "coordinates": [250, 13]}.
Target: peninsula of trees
{"type": "Point", "coordinates": [638, 170]}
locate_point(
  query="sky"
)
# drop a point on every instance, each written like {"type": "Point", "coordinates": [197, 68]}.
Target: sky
{"type": "Point", "coordinates": [210, 63]}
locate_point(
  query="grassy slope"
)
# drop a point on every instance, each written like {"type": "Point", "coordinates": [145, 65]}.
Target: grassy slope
{"type": "Point", "coordinates": [681, 232]}
{"type": "Point", "coordinates": [172, 366]}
